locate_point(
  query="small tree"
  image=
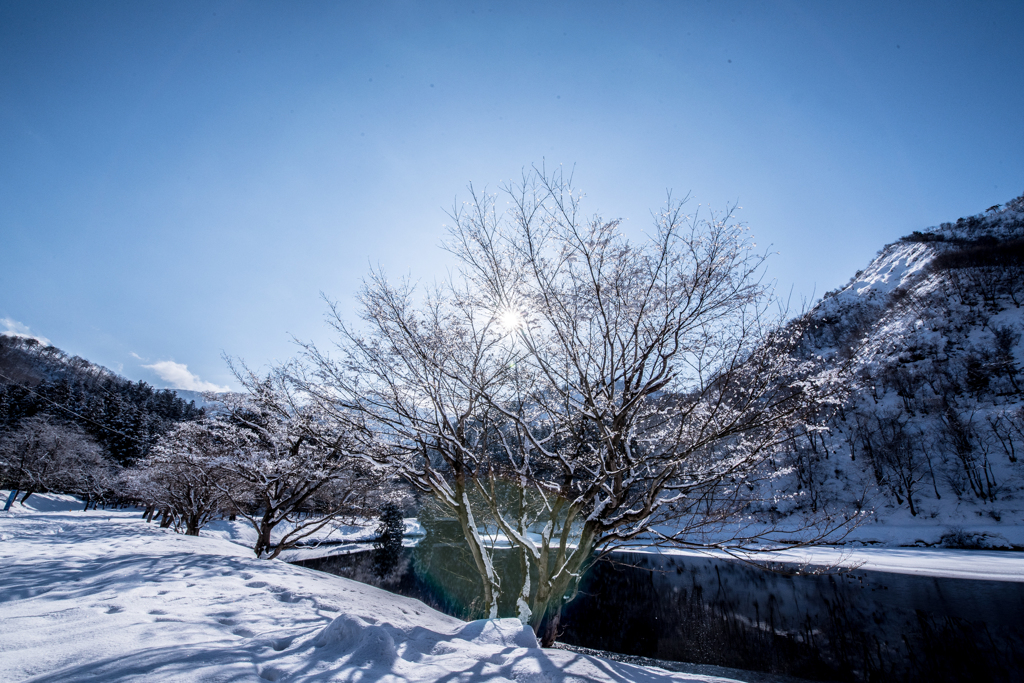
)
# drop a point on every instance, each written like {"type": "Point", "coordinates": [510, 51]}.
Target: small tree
{"type": "Point", "coordinates": [182, 474]}
{"type": "Point", "coordinates": [897, 454]}
{"type": "Point", "coordinates": [387, 548]}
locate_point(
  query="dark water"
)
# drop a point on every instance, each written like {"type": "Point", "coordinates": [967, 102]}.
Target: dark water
{"type": "Point", "coordinates": [852, 626]}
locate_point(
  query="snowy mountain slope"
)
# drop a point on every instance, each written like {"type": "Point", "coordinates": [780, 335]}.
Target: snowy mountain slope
{"type": "Point", "coordinates": [932, 438]}
{"type": "Point", "coordinates": [101, 595]}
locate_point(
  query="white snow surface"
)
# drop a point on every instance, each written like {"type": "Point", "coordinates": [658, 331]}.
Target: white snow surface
{"type": "Point", "coordinates": [101, 595]}
{"type": "Point", "coordinates": [978, 565]}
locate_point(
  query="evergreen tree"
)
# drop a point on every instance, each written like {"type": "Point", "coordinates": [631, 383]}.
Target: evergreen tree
{"type": "Point", "coordinates": [388, 547]}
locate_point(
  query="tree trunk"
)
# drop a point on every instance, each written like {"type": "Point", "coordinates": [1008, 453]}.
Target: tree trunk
{"type": "Point", "coordinates": [27, 494]}
{"type": "Point", "coordinates": [548, 614]}
{"type": "Point", "coordinates": [550, 630]}
{"type": "Point", "coordinates": [552, 589]}
{"type": "Point", "coordinates": [263, 539]}
{"type": "Point", "coordinates": [484, 566]}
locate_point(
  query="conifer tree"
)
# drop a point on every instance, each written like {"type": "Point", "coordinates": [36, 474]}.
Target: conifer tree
{"type": "Point", "coordinates": [388, 546]}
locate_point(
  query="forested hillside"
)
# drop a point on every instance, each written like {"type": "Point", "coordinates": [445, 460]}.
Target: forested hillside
{"type": "Point", "coordinates": [933, 434]}
{"type": "Point", "coordinates": [125, 418]}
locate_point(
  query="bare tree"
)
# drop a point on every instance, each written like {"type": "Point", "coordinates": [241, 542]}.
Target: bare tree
{"type": "Point", "coordinates": [92, 475]}
{"type": "Point", "coordinates": [43, 455]}
{"type": "Point", "coordinates": [182, 474]}
{"type": "Point", "coordinates": [1008, 428]}
{"type": "Point", "coordinates": [292, 467]}
{"type": "Point", "coordinates": [898, 453]}
{"type": "Point", "coordinates": [584, 390]}
{"type": "Point", "coordinates": [959, 438]}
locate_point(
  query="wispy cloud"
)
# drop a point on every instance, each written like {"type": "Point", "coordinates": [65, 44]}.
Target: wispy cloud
{"type": "Point", "coordinates": [12, 328]}
{"type": "Point", "coordinates": [179, 377]}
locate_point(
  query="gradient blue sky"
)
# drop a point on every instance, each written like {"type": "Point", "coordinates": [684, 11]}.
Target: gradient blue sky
{"type": "Point", "coordinates": [179, 179]}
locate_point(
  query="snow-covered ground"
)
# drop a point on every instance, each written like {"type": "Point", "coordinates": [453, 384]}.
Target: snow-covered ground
{"type": "Point", "coordinates": [102, 595]}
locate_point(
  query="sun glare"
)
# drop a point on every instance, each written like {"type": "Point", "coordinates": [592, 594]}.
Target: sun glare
{"type": "Point", "coordinates": [510, 320]}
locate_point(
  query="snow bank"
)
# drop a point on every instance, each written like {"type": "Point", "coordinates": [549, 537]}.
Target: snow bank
{"type": "Point", "coordinates": [101, 595]}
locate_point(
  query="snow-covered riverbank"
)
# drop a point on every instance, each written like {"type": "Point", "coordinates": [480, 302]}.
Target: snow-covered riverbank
{"type": "Point", "coordinates": [980, 565]}
{"type": "Point", "coordinates": [101, 595]}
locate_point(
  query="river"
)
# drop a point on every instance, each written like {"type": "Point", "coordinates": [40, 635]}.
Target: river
{"type": "Point", "coordinates": [854, 626]}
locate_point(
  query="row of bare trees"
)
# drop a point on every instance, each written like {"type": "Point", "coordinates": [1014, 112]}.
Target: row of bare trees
{"type": "Point", "coordinates": [264, 456]}
{"type": "Point", "coordinates": [44, 454]}
{"type": "Point", "coordinates": [966, 454]}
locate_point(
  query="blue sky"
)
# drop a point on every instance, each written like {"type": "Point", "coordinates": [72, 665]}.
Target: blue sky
{"type": "Point", "coordinates": [181, 180]}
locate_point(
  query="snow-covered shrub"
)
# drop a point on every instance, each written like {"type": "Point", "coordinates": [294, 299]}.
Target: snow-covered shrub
{"type": "Point", "coordinates": [957, 537]}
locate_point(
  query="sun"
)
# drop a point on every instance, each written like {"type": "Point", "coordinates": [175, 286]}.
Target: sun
{"type": "Point", "coordinates": [510, 320]}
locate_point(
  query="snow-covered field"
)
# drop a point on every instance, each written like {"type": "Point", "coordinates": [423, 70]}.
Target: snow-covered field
{"type": "Point", "coordinates": [101, 595]}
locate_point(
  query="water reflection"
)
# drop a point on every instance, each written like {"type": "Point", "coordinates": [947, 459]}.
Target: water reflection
{"type": "Point", "coordinates": [853, 626]}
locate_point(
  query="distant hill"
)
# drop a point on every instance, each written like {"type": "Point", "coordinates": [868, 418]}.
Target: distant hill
{"type": "Point", "coordinates": [933, 436]}
{"type": "Point", "coordinates": [195, 397]}
{"type": "Point", "coordinates": [23, 360]}
{"type": "Point", "coordinates": [125, 417]}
